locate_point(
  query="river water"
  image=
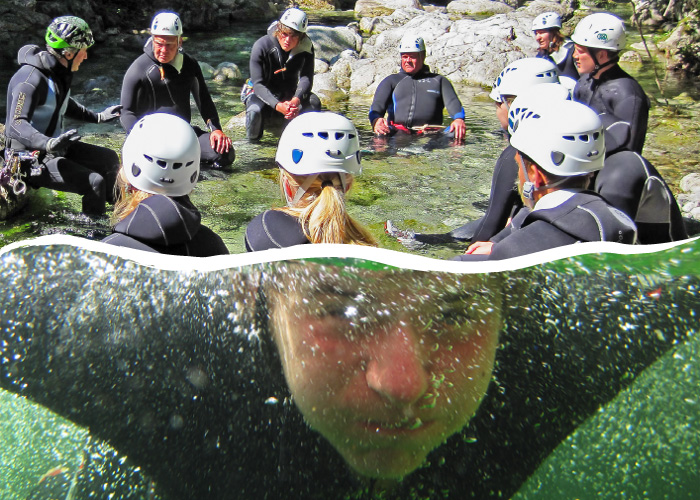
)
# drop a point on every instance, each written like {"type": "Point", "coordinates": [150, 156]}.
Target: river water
{"type": "Point", "coordinates": [425, 185]}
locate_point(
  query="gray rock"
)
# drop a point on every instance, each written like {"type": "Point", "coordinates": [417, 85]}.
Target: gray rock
{"type": "Point", "coordinates": [227, 71]}
{"type": "Point", "coordinates": [695, 213]}
{"type": "Point", "coordinates": [330, 42]}
{"type": "Point", "coordinates": [691, 183]}
{"type": "Point", "coordinates": [631, 56]}
{"type": "Point", "coordinates": [477, 7]}
{"type": "Point", "coordinates": [101, 82]}
{"type": "Point", "coordinates": [207, 70]}
{"type": "Point", "coordinates": [373, 8]}
{"type": "Point", "coordinates": [321, 66]}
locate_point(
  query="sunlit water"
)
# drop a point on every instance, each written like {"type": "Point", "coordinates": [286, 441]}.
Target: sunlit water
{"type": "Point", "coordinates": [426, 185]}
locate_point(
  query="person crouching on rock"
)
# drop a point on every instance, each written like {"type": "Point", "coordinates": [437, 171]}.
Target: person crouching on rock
{"type": "Point", "coordinates": [318, 156]}
{"type": "Point", "coordinates": [160, 168]}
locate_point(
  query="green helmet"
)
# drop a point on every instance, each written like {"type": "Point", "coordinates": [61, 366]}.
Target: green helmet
{"type": "Point", "coordinates": [69, 32]}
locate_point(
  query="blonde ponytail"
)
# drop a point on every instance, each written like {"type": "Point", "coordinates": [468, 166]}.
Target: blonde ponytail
{"type": "Point", "coordinates": [322, 213]}
{"type": "Point", "coordinates": [127, 198]}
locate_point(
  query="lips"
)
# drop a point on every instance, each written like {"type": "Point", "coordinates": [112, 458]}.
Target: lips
{"type": "Point", "coordinates": [406, 426]}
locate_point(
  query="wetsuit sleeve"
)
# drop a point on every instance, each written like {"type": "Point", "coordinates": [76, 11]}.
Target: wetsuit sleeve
{"type": "Point", "coordinates": [77, 111]}
{"type": "Point", "coordinates": [625, 122]}
{"type": "Point", "coordinates": [536, 237]}
{"type": "Point", "coordinates": [451, 100]}
{"type": "Point", "coordinates": [257, 74]}
{"type": "Point", "coordinates": [504, 199]}
{"type": "Point", "coordinates": [203, 99]}
{"type": "Point", "coordinates": [23, 100]}
{"type": "Point", "coordinates": [129, 96]}
{"type": "Point", "coordinates": [382, 99]}
{"type": "Point", "coordinates": [306, 75]}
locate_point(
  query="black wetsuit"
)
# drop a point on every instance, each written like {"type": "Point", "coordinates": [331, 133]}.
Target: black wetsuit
{"type": "Point", "coordinates": [567, 217]}
{"type": "Point", "coordinates": [167, 225]}
{"type": "Point", "coordinates": [504, 199]}
{"type": "Point", "coordinates": [632, 184]}
{"type": "Point", "coordinates": [38, 99]}
{"type": "Point", "coordinates": [172, 373]}
{"type": "Point", "coordinates": [150, 86]}
{"type": "Point", "coordinates": [622, 105]}
{"type": "Point", "coordinates": [277, 76]}
{"type": "Point", "coordinates": [273, 229]}
{"type": "Point", "coordinates": [564, 59]}
{"type": "Point", "coordinates": [415, 100]}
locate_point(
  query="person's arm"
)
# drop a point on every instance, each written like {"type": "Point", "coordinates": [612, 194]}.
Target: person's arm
{"type": "Point", "coordinates": [625, 122]}
{"type": "Point", "coordinates": [202, 97]}
{"type": "Point", "coordinates": [131, 87]}
{"type": "Point", "coordinates": [380, 104]}
{"type": "Point", "coordinates": [24, 99]}
{"type": "Point", "coordinates": [454, 108]}
{"type": "Point", "coordinates": [258, 62]}
{"type": "Point", "coordinates": [306, 74]}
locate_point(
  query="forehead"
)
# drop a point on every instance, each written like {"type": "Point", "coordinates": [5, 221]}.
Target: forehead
{"type": "Point", "coordinates": [165, 39]}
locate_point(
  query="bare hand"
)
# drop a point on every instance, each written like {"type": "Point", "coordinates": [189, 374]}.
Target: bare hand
{"type": "Point", "coordinates": [219, 142]}
{"type": "Point", "coordinates": [381, 126]}
{"type": "Point", "coordinates": [459, 128]}
{"type": "Point", "coordinates": [480, 248]}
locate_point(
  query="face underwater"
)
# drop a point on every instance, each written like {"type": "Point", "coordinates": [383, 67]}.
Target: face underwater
{"type": "Point", "coordinates": [387, 375]}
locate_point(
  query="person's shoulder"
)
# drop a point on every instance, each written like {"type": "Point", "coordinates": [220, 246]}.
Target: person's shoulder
{"type": "Point", "coordinates": [274, 229]}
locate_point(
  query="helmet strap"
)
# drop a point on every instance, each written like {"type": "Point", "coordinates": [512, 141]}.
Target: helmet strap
{"type": "Point", "coordinates": [598, 67]}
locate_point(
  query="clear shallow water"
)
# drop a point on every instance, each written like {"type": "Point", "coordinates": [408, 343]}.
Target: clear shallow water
{"type": "Point", "coordinates": [424, 185]}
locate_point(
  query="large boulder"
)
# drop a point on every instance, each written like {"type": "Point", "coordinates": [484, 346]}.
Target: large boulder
{"type": "Point", "coordinates": [465, 50]}
{"type": "Point", "coordinates": [374, 8]}
{"type": "Point", "coordinates": [477, 7]}
{"type": "Point", "coordinates": [329, 43]}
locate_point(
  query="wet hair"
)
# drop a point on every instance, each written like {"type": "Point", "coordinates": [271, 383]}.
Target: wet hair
{"type": "Point", "coordinates": [127, 197]}
{"type": "Point", "coordinates": [557, 39]}
{"type": "Point", "coordinates": [322, 213]}
{"type": "Point", "coordinates": [282, 28]}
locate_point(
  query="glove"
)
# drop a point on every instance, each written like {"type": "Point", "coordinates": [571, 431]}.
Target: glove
{"type": "Point", "coordinates": [58, 145]}
{"type": "Point", "coordinates": [110, 113]}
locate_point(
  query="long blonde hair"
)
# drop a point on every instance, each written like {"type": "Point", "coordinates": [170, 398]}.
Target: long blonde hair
{"type": "Point", "coordinates": [321, 210]}
{"type": "Point", "coordinates": [127, 198]}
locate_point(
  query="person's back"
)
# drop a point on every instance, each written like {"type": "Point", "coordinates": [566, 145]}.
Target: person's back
{"type": "Point", "coordinates": [318, 156]}
{"type": "Point", "coordinates": [161, 159]}
{"type": "Point", "coordinates": [632, 184]}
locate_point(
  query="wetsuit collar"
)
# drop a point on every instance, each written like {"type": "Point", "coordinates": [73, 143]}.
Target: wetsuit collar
{"type": "Point", "coordinates": [555, 198]}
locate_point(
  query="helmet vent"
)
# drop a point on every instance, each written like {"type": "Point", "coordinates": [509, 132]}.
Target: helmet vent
{"type": "Point", "coordinates": [296, 155]}
{"type": "Point", "coordinates": [584, 138]}
{"type": "Point", "coordinates": [323, 135]}
{"type": "Point", "coordinates": [569, 138]}
{"type": "Point", "coordinates": [351, 136]}
{"type": "Point", "coordinates": [176, 165]}
{"type": "Point", "coordinates": [150, 159]}
{"type": "Point", "coordinates": [339, 135]}
{"type": "Point", "coordinates": [189, 163]}
{"type": "Point", "coordinates": [308, 134]}
{"type": "Point", "coordinates": [193, 177]}
{"type": "Point", "coordinates": [596, 135]}
{"type": "Point", "coordinates": [162, 163]}
{"type": "Point", "coordinates": [135, 170]}
{"type": "Point", "coordinates": [558, 157]}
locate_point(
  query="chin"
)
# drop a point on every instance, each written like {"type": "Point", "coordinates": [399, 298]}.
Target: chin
{"type": "Point", "coordinates": [386, 464]}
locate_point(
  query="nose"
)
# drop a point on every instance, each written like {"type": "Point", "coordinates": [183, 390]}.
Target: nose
{"type": "Point", "coordinates": [396, 368]}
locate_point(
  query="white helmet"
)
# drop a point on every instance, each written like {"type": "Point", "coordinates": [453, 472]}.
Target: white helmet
{"type": "Point", "coordinates": [166, 23]}
{"type": "Point", "coordinates": [535, 99]}
{"type": "Point", "coordinates": [318, 142]}
{"type": "Point", "coordinates": [161, 155]}
{"type": "Point", "coordinates": [410, 43]}
{"type": "Point", "coordinates": [546, 20]}
{"type": "Point", "coordinates": [295, 19]}
{"type": "Point", "coordinates": [523, 73]}
{"type": "Point", "coordinates": [565, 140]}
{"type": "Point", "coordinates": [600, 31]}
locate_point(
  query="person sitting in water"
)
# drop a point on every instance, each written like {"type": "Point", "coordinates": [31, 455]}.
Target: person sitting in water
{"type": "Point", "coordinates": [162, 79]}
{"type": "Point", "coordinates": [605, 86]}
{"type": "Point", "coordinates": [504, 200]}
{"type": "Point", "coordinates": [39, 101]}
{"type": "Point", "coordinates": [553, 45]}
{"type": "Point", "coordinates": [298, 380]}
{"type": "Point", "coordinates": [281, 74]}
{"type": "Point", "coordinates": [630, 183]}
{"type": "Point", "coordinates": [318, 155]}
{"type": "Point", "coordinates": [415, 97]}
{"type": "Point", "coordinates": [160, 169]}
{"type": "Point", "coordinates": [558, 148]}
